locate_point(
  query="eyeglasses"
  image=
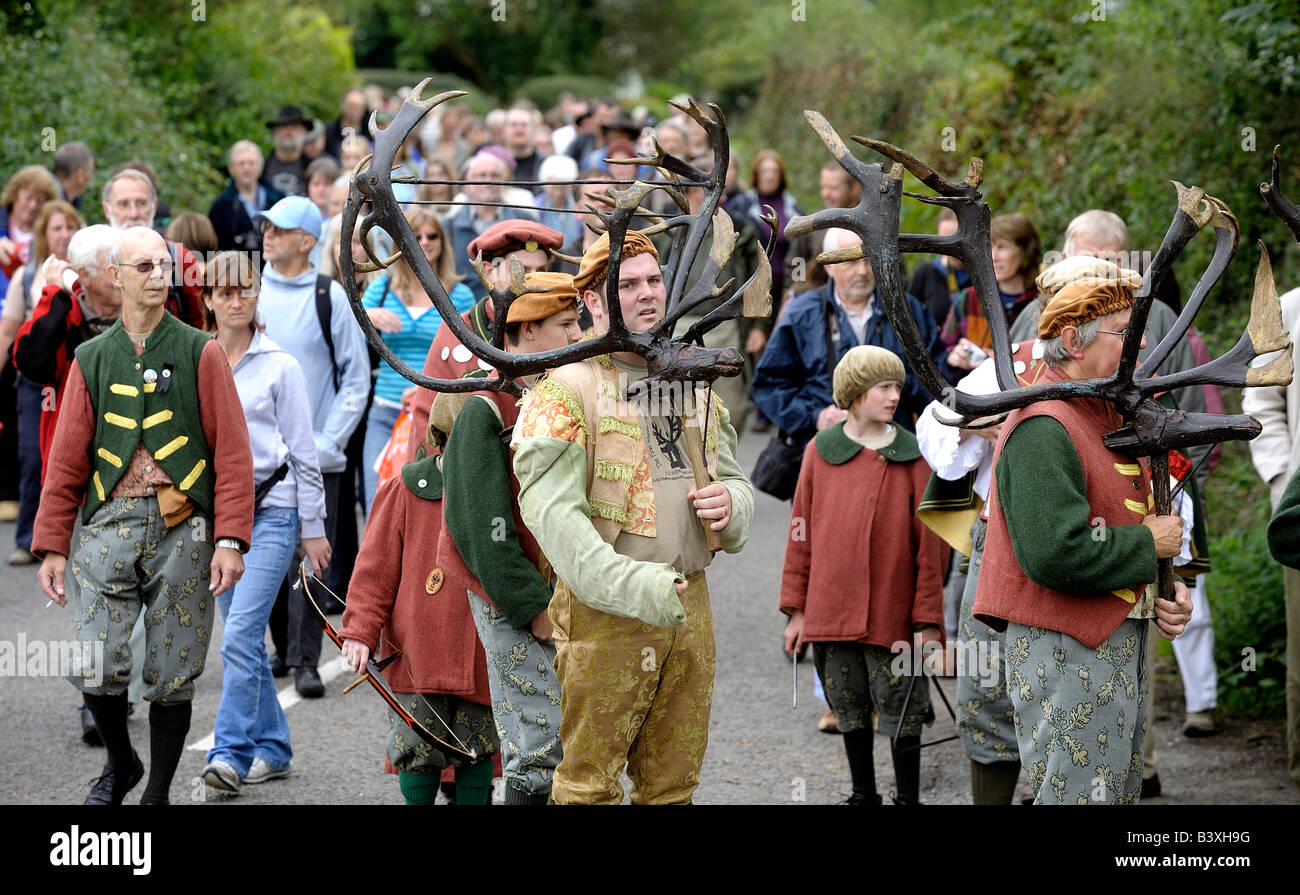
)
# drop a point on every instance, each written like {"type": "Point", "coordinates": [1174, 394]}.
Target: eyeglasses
{"type": "Point", "coordinates": [431, 237]}
{"type": "Point", "coordinates": [268, 227]}
{"type": "Point", "coordinates": [146, 267]}
{"type": "Point", "coordinates": [1123, 333]}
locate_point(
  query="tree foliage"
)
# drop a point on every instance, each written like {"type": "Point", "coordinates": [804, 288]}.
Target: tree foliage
{"type": "Point", "coordinates": [174, 83]}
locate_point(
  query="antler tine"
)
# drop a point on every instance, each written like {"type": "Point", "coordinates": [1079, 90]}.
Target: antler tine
{"type": "Point", "coordinates": [1277, 200]}
{"type": "Point", "coordinates": [724, 243]}
{"type": "Point", "coordinates": [686, 245]}
{"type": "Point", "coordinates": [640, 209]}
{"type": "Point", "coordinates": [366, 226]}
{"type": "Point", "coordinates": [924, 173]}
{"type": "Point", "coordinates": [1263, 334]}
{"type": "Point", "coordinates": [875, 221]}
{"type": "Point", "coordinates": [1190, 216]}
{"type": "Point", "coordinates": [361, 165]}
{"type": "Point", "coordinates": [1226, 233]}
{"type": "Point", "coordinates": [476, 263]}
{"type": "Point", "coordinates": [755, 298]}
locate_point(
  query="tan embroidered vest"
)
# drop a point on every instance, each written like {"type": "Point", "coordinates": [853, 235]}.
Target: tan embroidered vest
{"type": "Point", "coordinates": [616, 448]}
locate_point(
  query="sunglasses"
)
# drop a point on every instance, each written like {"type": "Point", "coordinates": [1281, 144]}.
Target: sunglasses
{"type": "Point", "coordinates": [146, 267]}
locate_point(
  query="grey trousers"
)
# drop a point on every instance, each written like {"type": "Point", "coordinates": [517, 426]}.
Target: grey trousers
{"type": "Point", "coordinates": [1081, 714]}
{"type": "Point", "coordinates": [127, 561]}
{"type": "Point", "coordinates": [525, 698]}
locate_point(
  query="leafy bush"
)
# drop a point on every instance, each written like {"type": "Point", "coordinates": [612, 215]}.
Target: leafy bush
{"type": "Point", "coordinates": [94, 99]}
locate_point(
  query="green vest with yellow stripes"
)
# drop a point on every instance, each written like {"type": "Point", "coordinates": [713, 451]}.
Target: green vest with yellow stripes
{"type": "Point", "coordinates": [131, 405]}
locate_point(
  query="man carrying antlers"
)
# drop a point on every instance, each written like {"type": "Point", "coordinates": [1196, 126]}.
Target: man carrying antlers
{"type": "Point", "coordinates": [607, 487]}
{"type": "Point", "coordinates": [1071, 588]}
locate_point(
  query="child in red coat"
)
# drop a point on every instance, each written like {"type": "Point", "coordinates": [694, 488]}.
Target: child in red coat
{"type": "Point", "coordinates": [862, 573]}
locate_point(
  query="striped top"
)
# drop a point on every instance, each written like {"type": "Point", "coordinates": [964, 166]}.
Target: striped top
{"type": "Point", "coordinates": [412, 342]}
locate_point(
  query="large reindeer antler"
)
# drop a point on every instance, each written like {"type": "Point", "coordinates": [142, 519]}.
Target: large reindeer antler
{"type": "Point", "coordinates": [1152, 429]}
{"type": "Point", "coordinates": [669, 359]}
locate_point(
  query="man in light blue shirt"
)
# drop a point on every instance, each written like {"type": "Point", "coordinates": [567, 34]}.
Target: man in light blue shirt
{"type": "Point", "coordinates": [336, 367]}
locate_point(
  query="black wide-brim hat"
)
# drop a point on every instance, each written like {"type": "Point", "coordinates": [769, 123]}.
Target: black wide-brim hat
{"type": "Point", "coordinates": [289, 115]}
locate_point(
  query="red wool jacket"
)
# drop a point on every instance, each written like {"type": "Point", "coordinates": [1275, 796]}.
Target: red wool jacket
{"type": "Point", "coordinates": [858, 562]}
{"type": "Point", "coordinates": [408, 592]}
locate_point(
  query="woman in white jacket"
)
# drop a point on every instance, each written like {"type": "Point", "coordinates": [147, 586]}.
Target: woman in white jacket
{"type": "Point", "coordinates": [251, 736]}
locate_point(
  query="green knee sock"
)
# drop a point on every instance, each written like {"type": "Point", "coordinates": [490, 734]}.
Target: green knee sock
{"type": "Point", "coordinates": [474, 784]}
{"type": "Point", "coordinates": [993, 783]}
{"type": "Point", "coordinates": [418, 789]}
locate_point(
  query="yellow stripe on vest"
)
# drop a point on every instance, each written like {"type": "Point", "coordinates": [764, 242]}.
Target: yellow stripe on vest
{"type": "Point", "coordinates": [1151, 501]}
{"type": "Point", "coordinates": [99, 486]}
{"type": "Point", "coordinates": [110, 457]}
{"type": "Point", "coordinates": [193, 477]}
{"type": "Point", "coordinates": [1128, 469]}
{"type": "Point", "coordinates": [119, 388]}
{"type": "Point", "coordinates": [1125, 594]}
{"type": "Point", "coordinates": [154, 419]}
{"type": "Point", "coordinates": [1136, 506]}
{"type": "Point", "coordinates": [119, 420]}
{"type": "Point", "coordinates": [171, 447]}
{"type": "Point", "coordinates": [149, 387]}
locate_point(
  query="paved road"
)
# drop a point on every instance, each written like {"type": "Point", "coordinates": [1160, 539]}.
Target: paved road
{"type": "Point", "coordinates": [760, 750]}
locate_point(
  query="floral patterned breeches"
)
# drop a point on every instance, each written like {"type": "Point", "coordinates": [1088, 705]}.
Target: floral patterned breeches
{"type": "Point", "coordinates": [1081, 714]}
{"type": "Point", "coordinates": [126, 560]}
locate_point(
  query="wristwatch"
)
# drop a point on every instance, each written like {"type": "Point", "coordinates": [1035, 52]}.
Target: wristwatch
{"type": "Point", "coordinates": [231, 543]}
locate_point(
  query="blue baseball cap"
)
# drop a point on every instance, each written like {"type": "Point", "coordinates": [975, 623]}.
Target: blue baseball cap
{"type": "Point", "coordinates": [293, 213]}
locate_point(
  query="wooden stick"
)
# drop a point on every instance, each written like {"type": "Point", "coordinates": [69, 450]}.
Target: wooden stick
{"type": "Point", "coordinates": [358, 682]}
{"type": "Point", "coordinates": [695, 452]}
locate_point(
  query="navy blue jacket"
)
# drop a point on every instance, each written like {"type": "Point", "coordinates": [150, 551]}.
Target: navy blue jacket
{"type": "Point", "coordinates": [792, 383]}
{"type": "Point", "coordinates": [459, 226]}
{"type": "Point", "coordinates": [235, 230]}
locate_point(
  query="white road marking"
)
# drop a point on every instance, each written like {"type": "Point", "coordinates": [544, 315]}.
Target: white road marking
{"type": "Point", "coordinates": [288, 697]}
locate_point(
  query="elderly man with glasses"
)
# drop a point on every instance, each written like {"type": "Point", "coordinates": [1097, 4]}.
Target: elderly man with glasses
{"type": "Point", "coordinates": [151, 451]}
{"type": "Point", "coordinates": [1069, 561]}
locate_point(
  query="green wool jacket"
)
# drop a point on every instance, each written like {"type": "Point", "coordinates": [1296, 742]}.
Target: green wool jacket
{"type": "Point", "coordinates": [1284, 527]}
{"type": "Point", "coordinates": [151, 398]}
{"type": "Point", "coordinates": [482, 512]}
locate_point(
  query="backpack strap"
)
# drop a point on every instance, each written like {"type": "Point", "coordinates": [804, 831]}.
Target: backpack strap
{"type": "Point", "coordinates": [325, 313]}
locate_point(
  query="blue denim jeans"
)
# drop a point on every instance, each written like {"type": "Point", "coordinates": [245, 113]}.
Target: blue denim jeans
{"type": "Point", "coordinates": [250, 723]}
{"type": "Point", "coordinates": [379, 428]}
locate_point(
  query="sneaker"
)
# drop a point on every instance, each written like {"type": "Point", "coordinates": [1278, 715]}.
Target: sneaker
{"type": "Point", "coordinates": [278, 668]}
{"type": "Point", "coordinates": [110, 787]}
{"type": "Point", "coordinates": [1200, 724]}
{"type": "Point", "coordinates": [220, 775]}
{"type": "Point", "coordinates": [261, 772]}
{"type": "Point", "coordinates": [861, 798]}
{"type": "Point", "coordinates": [21, 557]}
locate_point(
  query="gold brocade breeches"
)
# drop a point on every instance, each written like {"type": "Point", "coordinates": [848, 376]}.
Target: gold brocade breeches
{"type": "Point", "coordinates": [633, 696]}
